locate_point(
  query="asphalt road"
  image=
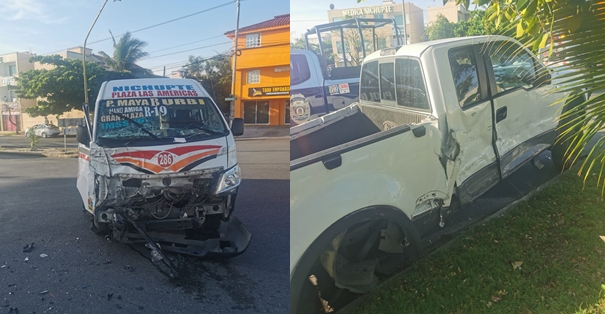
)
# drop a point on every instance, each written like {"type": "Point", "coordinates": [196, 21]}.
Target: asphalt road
{"type": "Point", "coordinates": [84, 273]}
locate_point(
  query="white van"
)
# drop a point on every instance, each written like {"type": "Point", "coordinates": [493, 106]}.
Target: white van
{"type": "Point", "coordinates": [158, 164]}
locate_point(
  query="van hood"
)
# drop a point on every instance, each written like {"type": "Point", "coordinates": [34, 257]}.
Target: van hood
{"type": "Point", "coordinates": [173, 158]}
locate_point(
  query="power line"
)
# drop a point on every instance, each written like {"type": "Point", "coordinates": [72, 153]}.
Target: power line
{"type": "Point", "coordinates": [170, 21]}
{"type": "Point", "coordinates": [155, 25]}
{"type": "Point", "coordinates": [193, 42]}
{"type": "Point", "coordinates": [172, 53]}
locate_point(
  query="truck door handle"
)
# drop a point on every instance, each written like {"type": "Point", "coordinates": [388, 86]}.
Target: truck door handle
{"type": "Point", "coordinates": [501, 114]}
{"type": "Point", "coordinates": [332, 162]}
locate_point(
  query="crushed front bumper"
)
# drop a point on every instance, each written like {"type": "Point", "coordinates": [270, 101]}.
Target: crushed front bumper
{"type": "Point", "coordinates": [233, 238]}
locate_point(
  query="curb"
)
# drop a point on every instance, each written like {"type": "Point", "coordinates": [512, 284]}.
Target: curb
{"type": "Point", "coordinates": [23, 154]}
{"type": "Point", "coordinates": [351, 306]}
{"type": "Point", "coordinates": [262, 138]}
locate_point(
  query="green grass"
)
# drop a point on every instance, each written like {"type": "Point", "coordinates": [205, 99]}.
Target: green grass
{"type": "Point", "coordinates": [556, 236]}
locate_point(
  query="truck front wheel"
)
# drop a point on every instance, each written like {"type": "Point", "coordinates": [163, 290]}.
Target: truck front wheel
{"type": "Point", "coordinates": [350, 264]}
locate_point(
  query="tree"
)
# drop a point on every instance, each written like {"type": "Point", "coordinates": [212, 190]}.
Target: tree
{"type": "Point", "coordinates": [440, 29]}
{"type": "Point", "coordinates": [126, 53]}
{"type": "Point", "coordinates": [215, 76]}
{"type": "Point", "coordinates": [299, 43]}
{"type": "Point", "coordinates": [60, 89]}
{"type": "Point", "coordinates": [475, 26]}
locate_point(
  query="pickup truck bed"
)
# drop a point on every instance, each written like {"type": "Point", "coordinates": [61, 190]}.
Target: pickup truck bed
{"type": "Point", "coordinates": [352, 123]}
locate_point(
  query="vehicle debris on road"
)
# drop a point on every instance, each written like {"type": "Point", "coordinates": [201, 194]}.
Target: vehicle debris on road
{"type": "Point", "coordinates": [28, 248]}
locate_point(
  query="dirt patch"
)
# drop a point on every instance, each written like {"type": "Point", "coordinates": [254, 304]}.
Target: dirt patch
{"type": "Point", "coordinates": [48, 152]}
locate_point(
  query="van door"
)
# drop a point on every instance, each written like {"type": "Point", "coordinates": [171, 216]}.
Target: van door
{"type": "Point", "coordinates": [524, 115]}
{"type": "Point", "coordinates": [471, 125]}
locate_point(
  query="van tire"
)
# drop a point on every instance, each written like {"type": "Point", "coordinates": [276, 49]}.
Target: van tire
{"type": "Point", "coordinates": [99, 228]}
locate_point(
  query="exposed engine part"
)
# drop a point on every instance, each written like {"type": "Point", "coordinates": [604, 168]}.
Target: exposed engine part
{"type": "Point", "coordinates": [155, 249]}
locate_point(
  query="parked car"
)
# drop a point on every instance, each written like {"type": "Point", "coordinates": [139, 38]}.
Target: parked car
{"type": "Point", "coordinates": [43, 130]}
{"type": "Point", "coordinates": [437, 125]}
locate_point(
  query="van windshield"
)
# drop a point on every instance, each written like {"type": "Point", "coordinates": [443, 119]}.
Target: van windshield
{"type": "Point", "coordinates": [158, 119]}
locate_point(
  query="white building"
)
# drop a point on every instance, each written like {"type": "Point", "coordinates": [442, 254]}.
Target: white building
{"type": "Point", "coordinates": [11, 108]}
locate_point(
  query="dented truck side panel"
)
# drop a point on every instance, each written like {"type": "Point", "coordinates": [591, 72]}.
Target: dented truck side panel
{"type": "Point", "coordinates": [381, 177]}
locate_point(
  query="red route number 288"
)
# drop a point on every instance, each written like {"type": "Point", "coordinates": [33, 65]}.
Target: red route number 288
{"type": "Point", "coordinates": [165, 159]}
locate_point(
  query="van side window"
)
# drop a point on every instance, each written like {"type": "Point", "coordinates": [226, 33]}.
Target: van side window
{"type": "Point", "coordinates": [369, 85]}
{"type": "Point", "coordinates": [299, 69]}
{"type": "Point", "coordinates": [411, 91]}
{"type": "Point", "coordinates": [464, 73]}
{"type": "Point", "coordinates": [387, 81]}
{"type": "Point", "coordinates": [513, 66]}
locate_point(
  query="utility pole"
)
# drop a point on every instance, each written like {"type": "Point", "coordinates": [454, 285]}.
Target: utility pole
{"type": "Point", "coordinates": [84, 54]}
{"type": "Point", "coordinates": [85, 105]}
{"type": "Point", "coordinates": [164, 72]}
{"type": "Point", "coordinates": [233, 74]}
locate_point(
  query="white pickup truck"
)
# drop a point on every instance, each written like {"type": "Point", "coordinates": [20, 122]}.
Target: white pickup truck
{"type": "Point", "coordinates": [437, 125]}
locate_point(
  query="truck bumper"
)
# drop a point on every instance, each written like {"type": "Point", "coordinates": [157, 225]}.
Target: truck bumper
{"type": "Point", "coordinates": [233, 239]}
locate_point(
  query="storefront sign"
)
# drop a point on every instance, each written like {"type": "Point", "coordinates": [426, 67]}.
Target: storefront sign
{"type": "Point", "coordinates": [269, 91]}
{"type": "Point", "coordinates": [368, 10]}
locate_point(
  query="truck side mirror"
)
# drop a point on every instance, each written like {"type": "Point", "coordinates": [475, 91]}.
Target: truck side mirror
{"type": "Point", "coordinates": [237, 126]}
{"type": "Point", "coordinates": [82, 135]}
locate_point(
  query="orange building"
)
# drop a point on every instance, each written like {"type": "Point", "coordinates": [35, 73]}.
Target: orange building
{"type": "Point", "coordinates": [262, 80]}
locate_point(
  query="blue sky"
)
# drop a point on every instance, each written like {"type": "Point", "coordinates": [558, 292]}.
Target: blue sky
{"type": "Point", "coordinates": [307, 13]}
{"type": "Point", "coordinates": [43, 26]}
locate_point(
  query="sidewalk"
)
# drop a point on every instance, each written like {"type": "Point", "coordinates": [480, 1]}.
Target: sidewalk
{"type": "Point", "coordinates": [265, 132]}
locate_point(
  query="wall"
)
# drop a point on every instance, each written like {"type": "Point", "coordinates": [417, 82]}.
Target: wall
{"type": "Point", "coordinates": [273, 52]}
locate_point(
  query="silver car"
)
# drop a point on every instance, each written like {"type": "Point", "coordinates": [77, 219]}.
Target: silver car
{"type": "Point", "coordinates": [43, 130]}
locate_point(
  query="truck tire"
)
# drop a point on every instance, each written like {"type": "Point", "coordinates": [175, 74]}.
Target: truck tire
{"type": "Point", "coordinates": [314, 291]}
{"type": "Point", "coordinates": [561, 144]}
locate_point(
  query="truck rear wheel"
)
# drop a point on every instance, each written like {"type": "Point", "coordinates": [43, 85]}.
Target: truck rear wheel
{"type": "Point", "coordinates": [355, 255]}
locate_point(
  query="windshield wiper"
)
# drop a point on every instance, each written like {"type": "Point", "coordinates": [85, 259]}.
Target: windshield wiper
{"type": "Point", "coordinates": [138, 124]}
{"type": "Point", "coordinates": [202, 128]}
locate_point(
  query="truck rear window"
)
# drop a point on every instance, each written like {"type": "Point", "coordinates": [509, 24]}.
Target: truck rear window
{"type": "Point", "coordinates": [402, 82]}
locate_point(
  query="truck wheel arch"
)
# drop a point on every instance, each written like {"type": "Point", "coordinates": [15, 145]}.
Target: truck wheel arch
{"type": "Point", "coordinates": [305, 263]}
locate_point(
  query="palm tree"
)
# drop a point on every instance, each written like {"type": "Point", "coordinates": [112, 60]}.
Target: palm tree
{"type": "Point", "coordinates": [126, 53]}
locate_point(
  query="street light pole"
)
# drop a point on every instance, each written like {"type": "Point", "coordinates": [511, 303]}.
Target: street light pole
{"type": "Point", "coordinates": [84, 54]}
{"type": "Point", "coordinates": [233, 74]}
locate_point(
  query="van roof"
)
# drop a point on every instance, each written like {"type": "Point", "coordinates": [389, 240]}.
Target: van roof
{"type": "Point", "coordinates": [152, 87]}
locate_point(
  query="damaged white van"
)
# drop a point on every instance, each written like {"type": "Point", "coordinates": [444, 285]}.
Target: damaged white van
{"type": "Point", "coordinates": [158, 164]}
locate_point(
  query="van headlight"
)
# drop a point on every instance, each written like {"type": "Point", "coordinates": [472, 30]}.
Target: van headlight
{"type": "Point", "coordinates": [230, 179]}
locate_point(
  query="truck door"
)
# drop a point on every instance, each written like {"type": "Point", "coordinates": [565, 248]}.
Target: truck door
{"type": "Point", "coordinates": [471, 124]}
{"type": "Point", "coordinates": [523, 113]}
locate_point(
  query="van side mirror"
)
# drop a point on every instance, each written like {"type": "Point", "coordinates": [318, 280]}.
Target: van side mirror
{"type": "Point", "coordinates": [237, 126]}
{"type": "Point", "coordinates": [82, 135]}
